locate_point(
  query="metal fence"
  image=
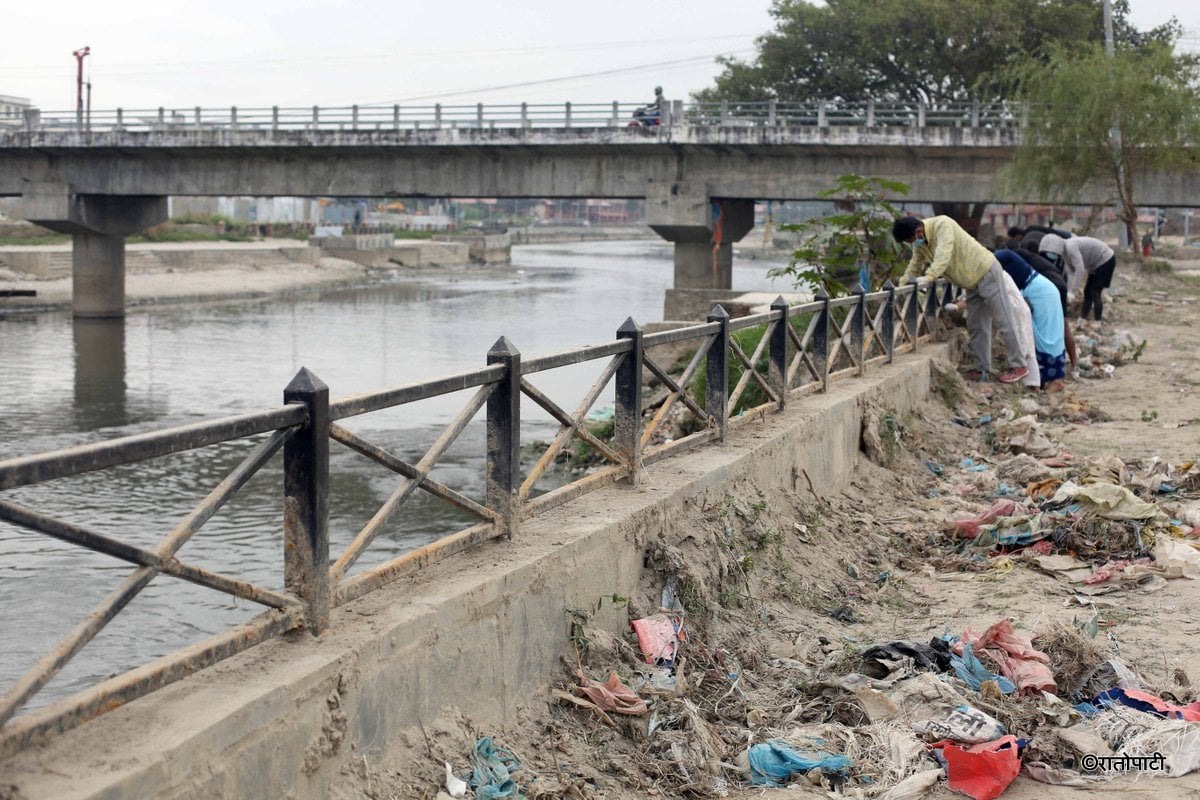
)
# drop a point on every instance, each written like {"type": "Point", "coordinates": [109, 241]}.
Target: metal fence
{"type": "Point", "coordinates": [817, 113]}
{"type": "Point", "coordinates": [802, 348]}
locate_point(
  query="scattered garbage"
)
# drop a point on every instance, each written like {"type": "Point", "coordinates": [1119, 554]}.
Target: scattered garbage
{"type": "Point", "coordinates": [1016, 656]}
{"type": "Point", "coordinates": [658, 637]}
{"type": "Point", "coordinates": [455, 786]}
{"type": "Point", "coordinates": [690, 713]}
{"type": "Point", "coordinates": [492, 768]}
{"type": "Point", "coordinates": [773, 762]}
{"type": "Point", "coordinates": [982, 771]}
{"type": "Point", "coordinates": [964, 724]}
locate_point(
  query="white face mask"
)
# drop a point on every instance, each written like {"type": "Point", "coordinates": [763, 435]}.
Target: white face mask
{"type": "Point", "coordinates": [918, 242]}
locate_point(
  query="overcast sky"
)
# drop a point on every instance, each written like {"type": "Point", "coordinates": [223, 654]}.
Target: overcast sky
{"type": "Point", "coordinates": [259, 53]}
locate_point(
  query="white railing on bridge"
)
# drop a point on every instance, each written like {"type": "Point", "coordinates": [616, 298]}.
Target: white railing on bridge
{"type": "Point", "coordinates": [822, 113]}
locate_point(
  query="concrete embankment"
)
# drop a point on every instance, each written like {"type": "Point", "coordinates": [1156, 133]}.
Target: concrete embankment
{"type": "Point", "coordinates": [481, 631]}
{"type": "Point", "coordinates": [554, 234]}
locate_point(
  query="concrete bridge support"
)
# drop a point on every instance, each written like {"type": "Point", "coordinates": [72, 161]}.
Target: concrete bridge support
{"type": "Point", "coordinates": [703, 229]}
{"type": "Point", "coordinates": [98, 225]}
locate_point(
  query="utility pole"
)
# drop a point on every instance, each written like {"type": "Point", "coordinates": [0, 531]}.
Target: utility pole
{"type": "Point", "coordinates": [1108, 28]}
{"type": "Point", "coordinates": [79, 56]}
{"type": "Point", "coordinates": [1114, 132]}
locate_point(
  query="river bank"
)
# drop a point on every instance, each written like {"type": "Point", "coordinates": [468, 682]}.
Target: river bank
{"type": "Point", "coordinates": [782, 591]}
{"type": "Point", "coordinates": [249, 271]}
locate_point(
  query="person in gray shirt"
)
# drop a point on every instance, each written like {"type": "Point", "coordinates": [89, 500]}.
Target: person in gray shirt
{"type": "Point", "coordinates": [1084, 259]}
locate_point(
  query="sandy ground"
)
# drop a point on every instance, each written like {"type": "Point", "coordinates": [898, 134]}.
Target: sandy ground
{"type": "Point", "coordinates": [245, 278]}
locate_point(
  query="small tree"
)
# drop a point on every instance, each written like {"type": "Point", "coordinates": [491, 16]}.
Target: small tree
{"type": "Point", "coordinates": [852, 245]}
{"type": "Point", "coordinates": [1107, 121]}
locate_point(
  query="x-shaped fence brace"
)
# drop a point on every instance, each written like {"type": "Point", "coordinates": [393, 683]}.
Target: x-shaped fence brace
{"type": "Point", "coordinates": [850, 331]}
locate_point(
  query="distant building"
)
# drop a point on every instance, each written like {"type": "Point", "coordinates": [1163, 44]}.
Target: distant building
{"type": "Point", "coordinates": [12, 109]}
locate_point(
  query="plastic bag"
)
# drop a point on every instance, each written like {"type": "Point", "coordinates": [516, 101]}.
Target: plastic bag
{"type": "Point", "coordinates": [982, 771]}
{"type": "Point", "coordinates": [774, 761]}
{"type": "Point", "coordinates": [964, 724]}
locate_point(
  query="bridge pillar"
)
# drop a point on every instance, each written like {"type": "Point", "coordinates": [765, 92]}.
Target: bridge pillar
{"type": "Point", "coordinates": [703, 229]}
{"type": "Point", "coordinates": [98, 225]}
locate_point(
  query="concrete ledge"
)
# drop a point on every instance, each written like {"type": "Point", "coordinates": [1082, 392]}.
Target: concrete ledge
{"type": "Point", "coordinates": [481, 631]}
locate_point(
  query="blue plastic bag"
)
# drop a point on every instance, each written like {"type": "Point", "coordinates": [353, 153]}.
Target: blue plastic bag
{"type": "Point", "coordinates": [774, 761]}
{"type": "Point", "coordinates": [491, 771]}
{"type": "Point", "coordinates": [974, 673]}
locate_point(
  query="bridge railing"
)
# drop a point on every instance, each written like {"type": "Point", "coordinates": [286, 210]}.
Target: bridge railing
{"type": "Point", "coordinates": [816, 113]}
{"type": "Point", "coordinates": [778, 356]}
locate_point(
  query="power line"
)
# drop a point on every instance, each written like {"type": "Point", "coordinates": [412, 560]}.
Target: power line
{"type": "Point", "coordinates": [127, 69]}
{"type": "Point", "coordinates": [547, 81]}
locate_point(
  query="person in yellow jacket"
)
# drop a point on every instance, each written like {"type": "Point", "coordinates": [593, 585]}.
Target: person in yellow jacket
{"type": "Point", "coordinates": [942, 249]}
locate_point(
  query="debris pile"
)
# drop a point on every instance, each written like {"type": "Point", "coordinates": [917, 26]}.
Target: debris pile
{"type": "Point", "coordinates": [782, 638]}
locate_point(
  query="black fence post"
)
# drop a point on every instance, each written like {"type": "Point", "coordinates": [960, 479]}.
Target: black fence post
{"type": "Point", "coordinates": [306, 501]}
{"type": "Point", "coordinates": [627, 420]}
{"type": "Point", "coordinates": [912, 313]}
{"type": "Point", "coordinates": [858, 329]}
{"type": "Point", "coordinates": [820, 339]}
{"type": "Point", "coordinates": [889, 321]}
{"type": "Point", "coordinates": [717, 373]}
{"type": "Point", "coordinates": [504, 437]}
{"type": "Point", "coordinates": [779, 351]}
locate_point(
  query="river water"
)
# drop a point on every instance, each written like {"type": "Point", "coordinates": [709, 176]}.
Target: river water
{"type": "Point", "coordinates": [65, 383]}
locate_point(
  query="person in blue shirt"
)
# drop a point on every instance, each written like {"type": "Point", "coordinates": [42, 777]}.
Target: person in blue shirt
{"type": "Point", "coordinates": [1049, 325]}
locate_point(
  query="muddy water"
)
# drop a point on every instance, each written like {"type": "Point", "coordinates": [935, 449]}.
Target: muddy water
{"type": "Point", "coordinates": [65, 383]}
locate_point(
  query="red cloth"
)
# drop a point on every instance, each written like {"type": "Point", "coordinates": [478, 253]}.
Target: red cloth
{"type": "Point", "coordinates": [1018, 659]}
{"type": "Point", "coordinates": [969, 528]}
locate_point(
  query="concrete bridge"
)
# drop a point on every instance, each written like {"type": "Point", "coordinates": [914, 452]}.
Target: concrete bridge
{"type": "Point", "coordinates": [700, 173]}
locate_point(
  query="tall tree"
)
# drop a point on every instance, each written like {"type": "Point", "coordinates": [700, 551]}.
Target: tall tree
{"type": "Point", "coordinates": [1106, 121]}
{"type": "Point", "coordinates": [931, 50]}
{"type": "Point", "coordinates": [935, 51]}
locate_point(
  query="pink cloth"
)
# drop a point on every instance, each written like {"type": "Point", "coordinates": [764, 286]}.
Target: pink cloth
{"type": "Point", "coordinates": [1019, 661]}
{"type": "Point", "coordinates": [1190, 712]}
{"type": "Point", "coordinates": [612, 695]}
{"type": "Point", "coordinates": [1106, 571]}
{"type": "Point", "coordinates": [657, 637]}
{"type": "Point", "coordinates": [969, 528]}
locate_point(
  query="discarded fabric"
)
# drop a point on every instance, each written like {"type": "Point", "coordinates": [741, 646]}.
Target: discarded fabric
{"type": "Point", "coordinates": [982, 771]}
{"type": "Point", "coordinates": [882, 659]}
{"type": "Point", "coordinates": [1019, 660]}
{"type": "Point", "coordinates": [914, 786]}
{"type": "Point", "coordinates": [1144, 701]}
{"type": "Point", "coordinates": [1115, 502]}
{"type": "Point", "coordinates": [612, 695]}
{"type": "Point", "coordinates": [973, 673]}
{"type": "Point", "coordinates": [964, 724]}
{"type": "Point", "coordinates": [657, 638]}
{"type": "Point", "coordinates": [491, 771]}
{"type": "Point", "coordinates": [774, 761]}
{"type": "Point", "coordinates": [1024, 435]}
{"type": "Point", "coordinates": [969, 528]}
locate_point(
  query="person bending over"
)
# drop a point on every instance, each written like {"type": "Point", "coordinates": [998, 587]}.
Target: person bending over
{"type": "Point", "coordinates": [1084, 256]}
{"type": "Point", "coordinates": [941, 248]}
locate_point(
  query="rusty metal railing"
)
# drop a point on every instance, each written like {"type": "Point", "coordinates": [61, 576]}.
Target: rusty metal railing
{"type": "Point", "coordinates": [799, 350]}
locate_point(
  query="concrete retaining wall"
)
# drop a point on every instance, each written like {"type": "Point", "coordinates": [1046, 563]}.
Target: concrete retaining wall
{"type": "Point", "coordinates": [481, 632]}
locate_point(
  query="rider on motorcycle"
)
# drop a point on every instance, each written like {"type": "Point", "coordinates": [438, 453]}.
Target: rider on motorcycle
{"type": "Point", "coordinates": [654, 112]}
